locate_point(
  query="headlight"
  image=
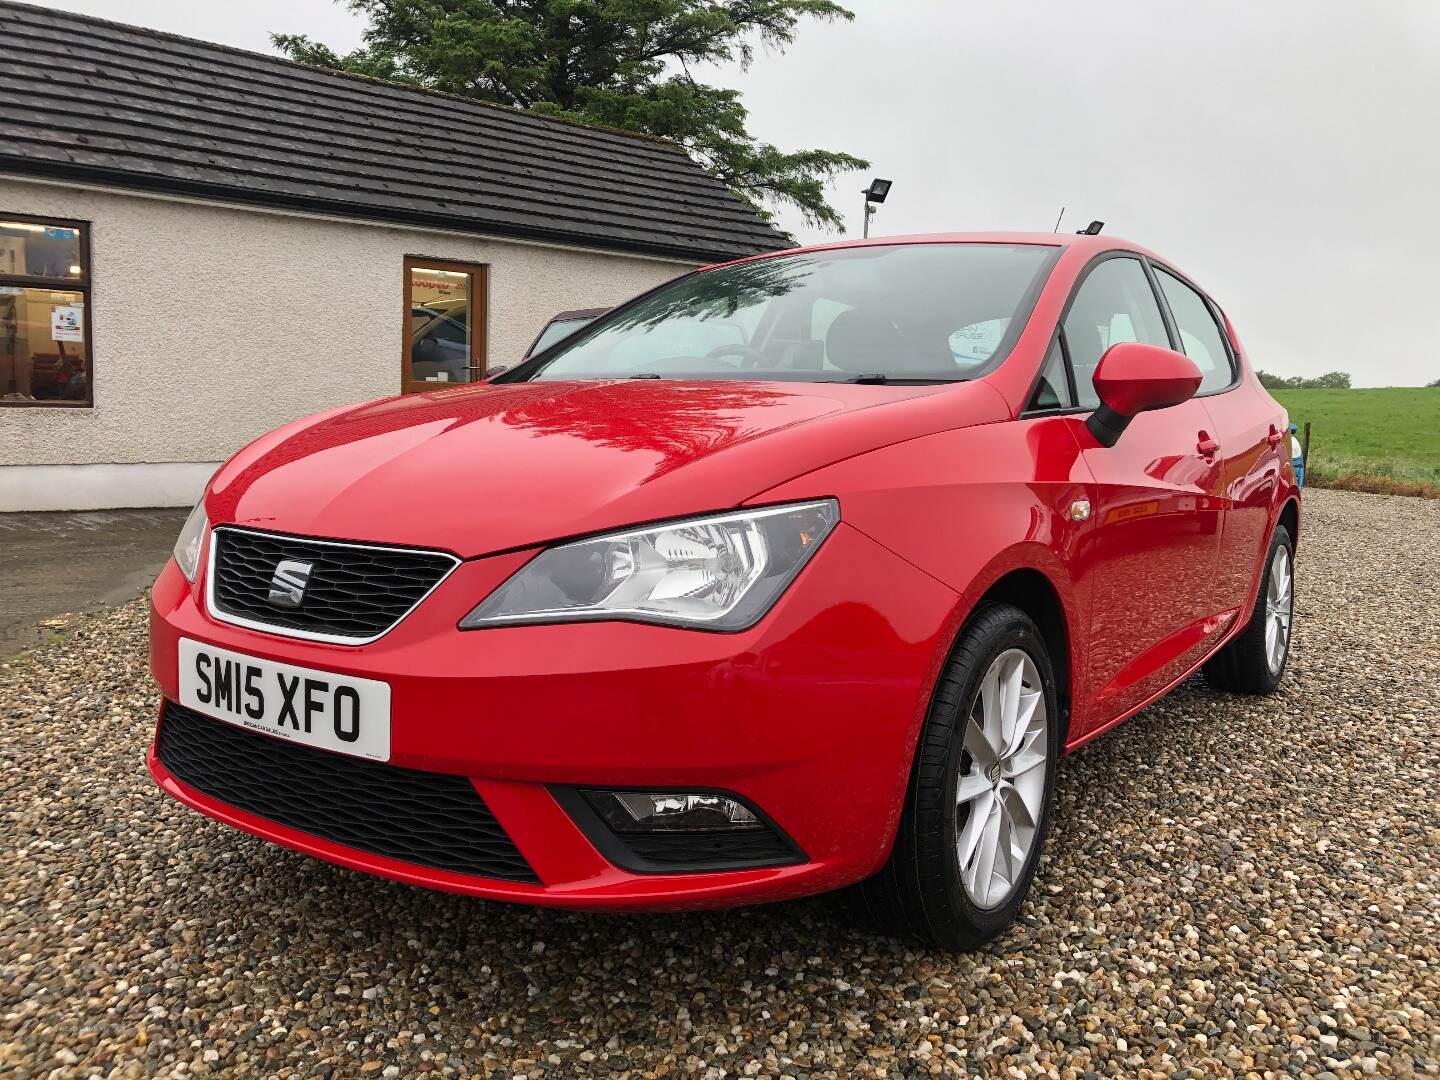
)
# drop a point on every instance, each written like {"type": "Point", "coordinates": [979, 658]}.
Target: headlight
{"type": "Point", "coordinates": [721, 572]}
{"type": "Point", "coordinates": [192, 536]}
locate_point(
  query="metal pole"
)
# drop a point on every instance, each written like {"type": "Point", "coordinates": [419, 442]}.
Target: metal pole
{"type": "Point", "coordinates": [865, 213]}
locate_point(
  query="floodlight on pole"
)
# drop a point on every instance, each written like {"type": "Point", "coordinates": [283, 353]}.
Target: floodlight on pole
{"type": "Point", "coordinates": [874, 194]}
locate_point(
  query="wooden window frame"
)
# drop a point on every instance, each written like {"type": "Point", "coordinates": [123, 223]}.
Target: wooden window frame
{"type": "Point", "coordinates": [82, 286]}
{"type": "Point", "coordinates": [477, 321]}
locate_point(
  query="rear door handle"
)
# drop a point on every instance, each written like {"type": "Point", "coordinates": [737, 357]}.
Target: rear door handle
{"type": "Point", "coordinates": [1207, 446]}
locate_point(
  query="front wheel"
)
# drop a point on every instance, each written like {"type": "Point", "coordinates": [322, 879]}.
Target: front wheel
{"type": "Point", "coordinates": [978, 803]}
{"type": "Point", "coordinates": [1254, 663]}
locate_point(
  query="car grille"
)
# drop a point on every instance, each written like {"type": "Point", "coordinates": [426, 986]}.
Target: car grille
{"type": "Point", "coordinates": [355, 592]}
{"type": "Point", "coordinates": [430, 819]}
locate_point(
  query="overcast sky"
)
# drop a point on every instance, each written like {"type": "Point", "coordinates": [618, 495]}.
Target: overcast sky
{"type": "Point", "coordinates": [1284, 153]}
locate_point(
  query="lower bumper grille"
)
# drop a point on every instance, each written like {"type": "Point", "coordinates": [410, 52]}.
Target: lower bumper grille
{"type": "Point", "coordinates": [430, 819]}
{"type": "Point", "coordinates": [677, 851]}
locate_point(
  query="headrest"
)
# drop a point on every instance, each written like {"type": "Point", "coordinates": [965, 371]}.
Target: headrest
{"type": "Point", "coordinates": [862, 342]}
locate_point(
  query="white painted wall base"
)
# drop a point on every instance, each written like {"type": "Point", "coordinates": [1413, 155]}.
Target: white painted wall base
{"type": "Point", "coordinates": [103, 487]}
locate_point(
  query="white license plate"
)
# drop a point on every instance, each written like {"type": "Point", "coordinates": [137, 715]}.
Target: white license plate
{"type": "Point", "coordinates": [317, 708]}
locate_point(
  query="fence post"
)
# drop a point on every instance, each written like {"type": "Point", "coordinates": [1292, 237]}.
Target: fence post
{"type": "Point", "coordinates": [1305, 447]}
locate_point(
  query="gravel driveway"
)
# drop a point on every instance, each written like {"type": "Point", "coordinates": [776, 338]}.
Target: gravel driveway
{"type": "Point", "coordinates": [1233, 885]}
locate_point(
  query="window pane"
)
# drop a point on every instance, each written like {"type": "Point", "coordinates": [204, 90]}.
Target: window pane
{"type": "Point", "coordinates": [1199, 333]}
{"type": "Point", "coordinates": [822, 314]}
{"type": "Point", "coordinates": [679, 338]}
{"type": "Point", "coordinates": [1053, 390]}
{"type": "Point", "coordinates": [48, 251]}
{"type": "Point", "coordinates": [439, 325]}
{"type": "Point", "coordinates": [555, 331]}
{"type": "Point", "coordinates": [1114, 304]}
{"type": "Point", "coordinates": [43, 350]}
{"type": "Point", "coordinates": [972, 345]}
{"type": "Point", "coordinates": [892, 310]}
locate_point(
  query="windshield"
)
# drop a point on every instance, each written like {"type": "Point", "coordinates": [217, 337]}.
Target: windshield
{"type": "Point", "coordinates": [902, 312]}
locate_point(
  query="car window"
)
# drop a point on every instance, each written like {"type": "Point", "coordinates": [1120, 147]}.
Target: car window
{"type": "Point", "coordinates": [721, 342]}
{"type": "Point", "coordinates": [886, 311]}
{"type": "Point", "coordinates": [972, 345]}
{"type": "Point", "coordinates": [1115, 303]}
{"type": "Point", "coordinates": [1053, 389]}
{"type": "Point", "coordinates": [556, 330]}
{"type": "Point", "coordinates": [1200, 336]}
{"type": "Point", "coordinates": [822, 314]}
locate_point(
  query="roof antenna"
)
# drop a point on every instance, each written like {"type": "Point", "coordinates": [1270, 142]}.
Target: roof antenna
{"type": "Point", "coordinates": [1058, 219]}
{"type": "Point", "coordinates": [1093, 229]}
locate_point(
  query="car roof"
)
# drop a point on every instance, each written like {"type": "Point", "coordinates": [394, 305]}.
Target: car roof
{"type": "Point", "coordinates": [1084, 243]}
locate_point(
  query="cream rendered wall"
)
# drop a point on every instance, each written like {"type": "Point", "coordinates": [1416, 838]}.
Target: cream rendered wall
{"type": "Point", "coordinates": [214, 324]}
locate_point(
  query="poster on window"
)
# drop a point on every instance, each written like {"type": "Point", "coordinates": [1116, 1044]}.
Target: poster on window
{"type": "Point", "coordinates": [67, 323]}
{"type": "Point", "coordinates": [12, 255]}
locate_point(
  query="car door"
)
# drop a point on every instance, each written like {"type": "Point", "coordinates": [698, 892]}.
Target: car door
{"type": "Point", "coordinates": [1152, 552]}
{"type": "Point", "coordinates": [1248, 427]}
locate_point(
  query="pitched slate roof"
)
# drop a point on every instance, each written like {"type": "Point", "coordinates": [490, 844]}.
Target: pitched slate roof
{"type": "Point", "coordinates": [86, 99]}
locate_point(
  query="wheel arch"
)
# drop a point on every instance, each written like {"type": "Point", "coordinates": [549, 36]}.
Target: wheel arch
{"type": "Point", "coordinates": [1290, 518]}
{"type": "Point", "coordinates": [1033, 592]}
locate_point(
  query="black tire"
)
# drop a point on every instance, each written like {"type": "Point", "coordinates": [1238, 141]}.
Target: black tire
{"type": "Point", "coordinates": [919, 892]}
{"type": "Point", "coordinates": [1242, 666]}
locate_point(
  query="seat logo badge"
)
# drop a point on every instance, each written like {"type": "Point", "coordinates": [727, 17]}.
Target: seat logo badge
{"type": "Point", "coordinates": [1079, 510]}
{"type": "Point", "coordinates": [287, 584]}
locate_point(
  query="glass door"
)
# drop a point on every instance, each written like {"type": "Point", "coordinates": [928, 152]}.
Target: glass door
{"type": "Point", "coordinates": [444, 324]}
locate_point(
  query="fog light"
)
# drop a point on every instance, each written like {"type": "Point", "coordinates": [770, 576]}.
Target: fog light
{"type": "Point", "coordinates": [669, 811]}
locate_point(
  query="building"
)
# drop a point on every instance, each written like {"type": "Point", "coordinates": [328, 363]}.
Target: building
{"type": "Point", "coordinates": [198, 244]}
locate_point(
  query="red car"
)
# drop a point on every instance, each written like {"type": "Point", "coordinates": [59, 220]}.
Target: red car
{"type": "Point", "coordinates": [794, 573]}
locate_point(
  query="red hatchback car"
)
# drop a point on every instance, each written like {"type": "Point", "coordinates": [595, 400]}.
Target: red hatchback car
{"type": "Point", "coordinates": [794, 573]}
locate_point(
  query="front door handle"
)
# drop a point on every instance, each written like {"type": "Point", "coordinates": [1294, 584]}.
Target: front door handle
{"type": "Point", "coordinates": [1207, 446]}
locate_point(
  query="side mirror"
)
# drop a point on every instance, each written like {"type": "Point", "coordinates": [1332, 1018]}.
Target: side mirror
{"type": "Point", "coordinates": [1132, 378]}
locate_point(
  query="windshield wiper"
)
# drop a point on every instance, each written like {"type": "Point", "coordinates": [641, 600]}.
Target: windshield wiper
{"type": "Point", "coordinates": [880, 379]}
{"type": "Point", "coordinates": [645, 375]}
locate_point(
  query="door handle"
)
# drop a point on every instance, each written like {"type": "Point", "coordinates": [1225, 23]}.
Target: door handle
{"type": "Point", "coordinates": [1275, 436]}
{"type": "Point", "coordinates": [1207, 446]}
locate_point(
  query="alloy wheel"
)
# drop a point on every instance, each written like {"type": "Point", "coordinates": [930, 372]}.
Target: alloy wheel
{"type": "Point", "coordinates": [1001, 789]}
{"type": "Point", "coordinates": [1279, 602]}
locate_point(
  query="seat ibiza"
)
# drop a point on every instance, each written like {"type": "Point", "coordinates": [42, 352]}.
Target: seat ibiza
{"type": "Point", "coordinates": [794, 573]}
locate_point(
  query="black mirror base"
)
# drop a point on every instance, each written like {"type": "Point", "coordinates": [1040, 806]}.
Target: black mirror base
{"type": "Point", "coordinates": [1107, 425]}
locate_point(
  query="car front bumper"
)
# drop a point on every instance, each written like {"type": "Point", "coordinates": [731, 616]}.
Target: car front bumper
{"type": "Point", "coordinates": [810, 716]}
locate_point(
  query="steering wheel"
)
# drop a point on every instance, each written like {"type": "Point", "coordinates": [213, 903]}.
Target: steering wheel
{"type": "Point", "coordinates": [750, 358]}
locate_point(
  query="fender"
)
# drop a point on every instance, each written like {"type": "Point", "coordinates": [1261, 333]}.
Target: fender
{"type": "Point", "coordinates": [1026, 558]}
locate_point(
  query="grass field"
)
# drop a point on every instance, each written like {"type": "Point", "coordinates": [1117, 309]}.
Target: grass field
{"type": "Point", "coordinates": [1371, 440]}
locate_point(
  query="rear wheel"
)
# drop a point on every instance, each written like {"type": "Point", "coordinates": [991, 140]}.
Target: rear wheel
{"type": "Point", "coordinates": [1254, 663]}
{"type": "Point", "coordinates": [978, 803]}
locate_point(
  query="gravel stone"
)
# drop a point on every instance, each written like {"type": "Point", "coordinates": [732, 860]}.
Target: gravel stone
{"type": "Point", "coordinates": [1234, 886]}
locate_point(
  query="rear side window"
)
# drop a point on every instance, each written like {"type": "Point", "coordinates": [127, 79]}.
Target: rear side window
{"type": "Point", "coordinates": [1114, 304]}
{"type": "Point", "coordinates": [1200, 336]}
